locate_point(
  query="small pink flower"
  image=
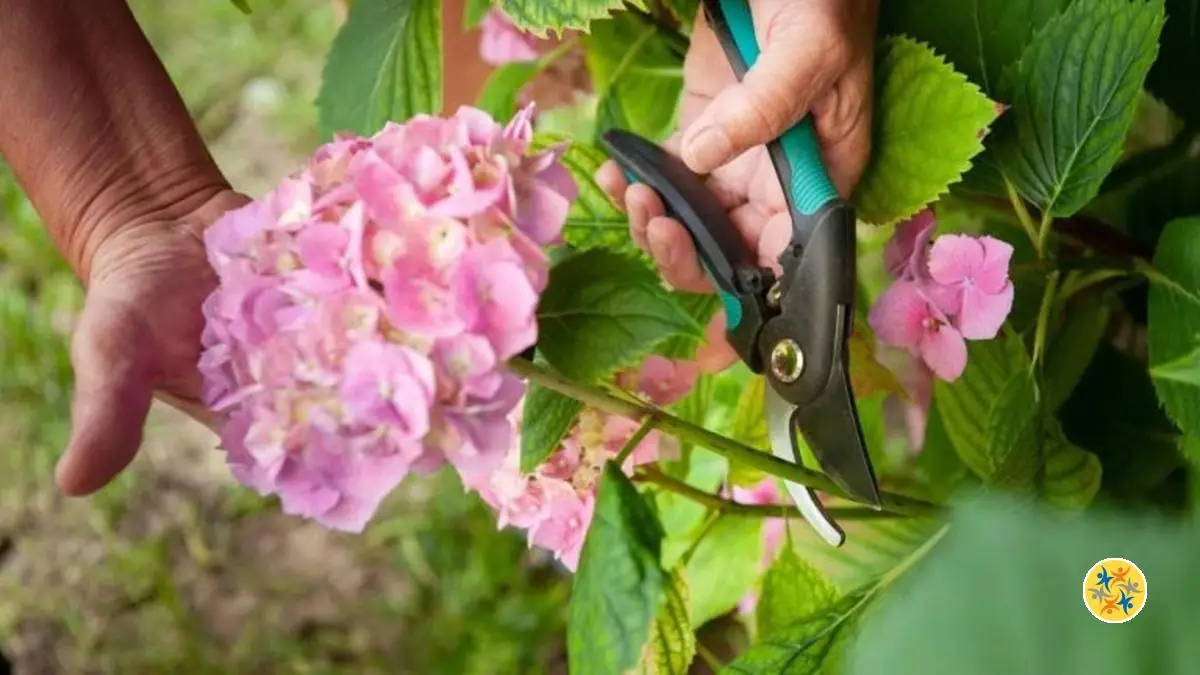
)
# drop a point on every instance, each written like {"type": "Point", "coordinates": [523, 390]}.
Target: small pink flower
{"type": "Point", "coordinates": [774, 530]}
{"type": "Point", "coordinates": [502, 42]}
{"type": "Point", "coordinates": [665, 381]}
{"type": "Point", "coordinates": [905, 317]}
{"type": "Point", "coordinates": [973, 284]}
{"type": "Point", "coordinates": [906, 252]}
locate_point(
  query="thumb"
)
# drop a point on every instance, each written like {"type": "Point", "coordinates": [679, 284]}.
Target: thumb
{"type": "Point", "coordinates": [112, 355]}
{"type": "Point", "coordinates": [803, 53]}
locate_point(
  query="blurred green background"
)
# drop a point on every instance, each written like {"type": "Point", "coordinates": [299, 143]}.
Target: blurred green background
{"type": "Point", "coordinates": [174, 569]}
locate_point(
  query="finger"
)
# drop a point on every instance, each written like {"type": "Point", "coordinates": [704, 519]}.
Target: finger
{"type": "Point", "coordinates": [610, 179]}
{"type": "Point", "coordinates": [842, 120]}
{"type": "Point", "coordinates": [716, 354]}
{"type": "Point", "coordinates": [643, 205]}
{"type": "Point", "coordinates": [803, 53]}
{"type": "Point", "coordinates": [672, 248]}
{"type": "Point", "coordinates": [113, 390]}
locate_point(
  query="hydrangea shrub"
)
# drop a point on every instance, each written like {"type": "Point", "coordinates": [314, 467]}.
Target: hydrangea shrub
{"type": "Point", "coordinates": [1029, 329]}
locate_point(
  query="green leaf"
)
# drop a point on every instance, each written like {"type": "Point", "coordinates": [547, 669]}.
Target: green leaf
{"type": "Point", "coordinates": [474, 11]}
{"type": "Point", "coordinates": [1174, 318]}
{"type": "Point", "coordinates": [1173, 77]}
{"type": "Point", "coordinates": [1073, 95]}
{"type": "Point", "coordinates": [500, 93]}
{"type": "Point", "coordinates": [603, 310]}
{"type": "Point", "coordinates": [1030, 563]}
{"type": "Point", "coordinates": [791, 590]}
{"type": "Point", "coordinates": [684, 11]}
{"type": "Point", "coordinates": [724, 566]}
{"type": "Point", "coordinates": [637, 74]}
{"type": "Point", "coordinates": [701, 307]}
{"type": "Point", "coordinates": [929, 123]}
{"type": "Point", "coordinates": [385, 65]}
{"type": "Point", "coordinates": [1185, 369]}
{"type": "Point", "coordinates": [547, 419]}
{"type": "Point", "coordinates": [872, 548]}
{"type": "Point", "coordinates": [681, 517]}
{"type": "Point", "coordinates": [982, 38]}
{"type": "Point", "coordinates": [1115, 414]}
{"type": "Point", "coordinates": [619, 586]}
{"type": "Point", "coordinates": [242, 5]}
{"type": "Point", "coordinates": [805, 645]}
{"type": "Point", "coordinates": [593, 220]}
{"type": "Point", "coordinates": [992, 416]}
{"type": "Point", "coordinates": [541, 17]}
{"type": "Point", "coordinates": [1072, 348]}
{"type": "Point", "coordinates": [672, 643]}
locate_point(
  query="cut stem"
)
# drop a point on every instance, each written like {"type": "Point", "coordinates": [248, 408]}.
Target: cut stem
{"type": "Point", "coordinates": [690, 433]}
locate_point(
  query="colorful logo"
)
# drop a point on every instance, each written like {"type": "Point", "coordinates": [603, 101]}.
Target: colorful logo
{"type": "Point", "coordinates": [1114, 590]}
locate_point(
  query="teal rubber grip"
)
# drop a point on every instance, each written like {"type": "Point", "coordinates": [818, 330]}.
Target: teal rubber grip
{"type": "Point", "coordinates": [810, 186]}
{"type": "Point", "coordinates": [733, 308]}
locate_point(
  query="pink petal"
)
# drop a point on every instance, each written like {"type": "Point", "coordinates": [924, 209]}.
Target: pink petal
{"type": "Point", "coordinates": [993, 274]}
{"type": "Point", "coordinates": [501, 42]}
{"type": "Point", "coordinates": [899, 314]}
{"type": "Point", "coordinates": [955, 258]}
{"type": "Point", "coordinates": [982, 313]}
{"type": "Point", "coordinates": [945, 351]}
{"type": "Point", "coordinates": [904, 255]}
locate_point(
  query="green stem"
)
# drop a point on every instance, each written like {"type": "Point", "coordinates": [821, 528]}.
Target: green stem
{"type": "Point", "coordinates": [559, 51]}
{"type": "Point", "coordinates": [690, 433]}
{"type": "Point", "coordinates": [705, 528]}
{"type": "Point", "coordinates": [634, 440]}
{"type": "Point", "coordinates": [727, 506]}
{"type": "Point", "coordinates": [1043, 320]}
{"type": "Point", "coordinates": [1023, 216]}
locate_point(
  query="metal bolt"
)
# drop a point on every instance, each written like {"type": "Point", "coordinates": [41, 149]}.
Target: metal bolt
{"type": "Point", "coordinates": [787, 361]}
{"type": "Point", "coordinates": [775, 295]}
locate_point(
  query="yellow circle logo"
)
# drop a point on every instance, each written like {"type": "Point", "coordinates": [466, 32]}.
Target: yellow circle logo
{"type": "Point", "coordinates": [1114, 590]}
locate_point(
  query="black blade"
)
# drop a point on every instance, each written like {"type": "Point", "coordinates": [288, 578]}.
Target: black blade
{"type": "Point", "coordinates": [830, 426]}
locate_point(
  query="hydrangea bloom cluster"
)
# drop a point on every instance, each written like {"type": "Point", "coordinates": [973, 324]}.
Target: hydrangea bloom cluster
{"type": "Point", "coordinates": [367, 305]}
{"type": "Point", "coordinates": [945, 292]}
{"type": "Point", "coordinates": [554, 504]}
{"type": "Point", "coordinates": [501, 42]}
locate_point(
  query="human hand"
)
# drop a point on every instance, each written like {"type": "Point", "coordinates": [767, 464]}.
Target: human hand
{"type": "Point", "coordinates": [816, 59]}
{"type": "Point", "coordinates": [138, 335]}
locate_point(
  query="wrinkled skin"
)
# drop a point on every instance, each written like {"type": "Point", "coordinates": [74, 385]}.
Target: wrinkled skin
{"type": "Point", "coordinates": [816, 58]}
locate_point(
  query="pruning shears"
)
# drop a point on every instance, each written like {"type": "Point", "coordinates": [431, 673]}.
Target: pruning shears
{"type": "Point", "coordinates": [794, 328]}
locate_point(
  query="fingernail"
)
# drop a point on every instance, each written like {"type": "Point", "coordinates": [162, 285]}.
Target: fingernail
{"type": "Point", "coordinates": [706, 149]}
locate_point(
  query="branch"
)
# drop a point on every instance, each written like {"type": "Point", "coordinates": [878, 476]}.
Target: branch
{"type": "Point", "coordinates": [722, 505]}
{"type": "Point", "coordinates": [688, 432]}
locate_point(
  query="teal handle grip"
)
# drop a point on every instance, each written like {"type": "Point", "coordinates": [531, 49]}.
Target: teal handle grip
{"type": "Point", "coordinates": [805, 180]}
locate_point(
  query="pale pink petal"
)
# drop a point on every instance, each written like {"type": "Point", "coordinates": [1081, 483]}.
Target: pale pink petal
{"type": "Point", "coordinates": [501, 42]}
{"type": "Point", "coordinates": [983, 314]}
{"type": "Point", "coordinates": [899, 314]}
{"type": "Point", "coordinates": [993, 273]}
{"type": "Point", "coordinates": [954, 258]}
{"type": "Point", "coordinates": [945, 352]}
{"type": "Point", "coordinates": [905, 253]}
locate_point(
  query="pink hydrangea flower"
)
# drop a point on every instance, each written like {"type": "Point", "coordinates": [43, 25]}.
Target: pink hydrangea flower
{"type": "Point", "coordinates": [945, 292]}
{"type": "Point", "coordinates": [367, 305]}
{"type": "Point", "coordinates": [554, 504]}
{"type": "Point", "coordinates": [972, 282]}
{"type": "Point", "coordinates": [765, 491]}
{"type": "Point", "coordinates": [906, 317]}
{"type": "Point", "coordinates": [501, 42]}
